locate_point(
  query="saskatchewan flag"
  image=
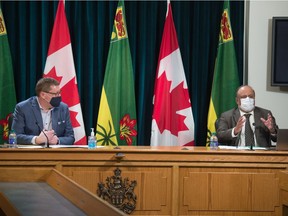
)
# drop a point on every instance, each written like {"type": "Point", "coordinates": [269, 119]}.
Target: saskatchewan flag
{"type": "Point", "coordinates": [7, 88]}
{"type": "Point", "coordinates": [117, 124]}
{"type": "Point", "coordinates": [225, 80]}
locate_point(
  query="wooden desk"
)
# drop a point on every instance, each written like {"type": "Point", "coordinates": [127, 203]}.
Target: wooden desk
{"type": "Point", "coordinates": [170, 181]}
{"type": "Point", "coordinates": [51, 194]}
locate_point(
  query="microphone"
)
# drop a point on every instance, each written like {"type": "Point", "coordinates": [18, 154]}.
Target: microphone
{"type": "Point", "coordinates": [47, 140]}
{"type": "Point", "coordinates": [251, 147]}
{"type": "Point", "coordinates": [42, 131]}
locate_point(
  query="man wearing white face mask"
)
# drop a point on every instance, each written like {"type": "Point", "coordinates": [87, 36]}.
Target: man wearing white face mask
{"type": "Point", "coordinates": [231, 124]}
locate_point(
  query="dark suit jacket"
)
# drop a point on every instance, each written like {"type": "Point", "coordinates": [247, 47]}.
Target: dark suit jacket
{"type": "Point", "coordinates": [28, 122]}
{"type": "Point", "coordinates": [228, 121]}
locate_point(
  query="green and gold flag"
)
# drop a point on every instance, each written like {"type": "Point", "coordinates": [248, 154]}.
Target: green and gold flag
{"type": "Point", "coordinates": [225, 80]}
{"type": "Point", "coordinates": [117, 124]}
{"type": "Point", "coordinates": [7, 87]}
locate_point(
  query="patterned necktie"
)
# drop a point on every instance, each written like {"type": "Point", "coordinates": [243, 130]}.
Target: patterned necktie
{"type": "Point", "coordinates": [249, 135]}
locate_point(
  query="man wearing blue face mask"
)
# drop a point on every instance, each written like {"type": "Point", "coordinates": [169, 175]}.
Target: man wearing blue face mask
{"type": "Point", "coordinates": [247, 125]}
{"type": "Point", "coordinates": [43, 119]}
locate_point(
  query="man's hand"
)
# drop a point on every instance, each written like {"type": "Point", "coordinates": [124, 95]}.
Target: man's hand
{"type": "Point", "coordinates": [41, 138]}
{"type": "Point", "coordinates": [239, 125]}
{"type": "Point", "coordinates": [269, 123]}
{"type": "Point", "coordinates": [50, 135]}
{"type": "Point", "coordinates": [53, 139]}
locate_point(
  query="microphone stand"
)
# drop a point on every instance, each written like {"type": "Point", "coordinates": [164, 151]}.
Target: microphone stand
{"type": "Point", "coordinates": [251, 147]}
{"type": "Point", "coordinates": [47, 140]}
{"type": "Point", "coordinates": [42, 131]}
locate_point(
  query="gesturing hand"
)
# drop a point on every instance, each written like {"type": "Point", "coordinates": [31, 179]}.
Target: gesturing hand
{"type": "Point", "coordinates": [239, 125]}
{"type": "Point", "coordinates": [269, 123]}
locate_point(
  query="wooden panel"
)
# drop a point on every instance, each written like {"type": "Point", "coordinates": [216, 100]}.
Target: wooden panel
{"type": "Point", "coordinates": [283, 180]}
{"type": "Point", "coordinates": [264, 195]}
{"type": "Point", "coordinates": [153, 187]}
{"type": "Point", "coordinates": [283, 184]}
{"type": "Point", "coordinates": [230, 191]}
{"type": "Point", "coordinates": [171, 181]}
{"type": "Point", "coordinates": [155, 193]}
{"type": "Point", "coordinates": [13, 174]}
{"type": "Point", "coordinates": [88, 179]}
{"type": "Point", "coordinates": [195, 191]}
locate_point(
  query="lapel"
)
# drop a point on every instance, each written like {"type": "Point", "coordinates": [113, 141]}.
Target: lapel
{"type": "Point", "coordinates": [257, 116]}
{"type": "Point", "coordinates": [258, 122]}
{"type": "Point", "coordinates": [37, 113]}
{"type": "Point", "coordinates": [55, 114]}
{"type": "Point", "coordinates": [235, 116]}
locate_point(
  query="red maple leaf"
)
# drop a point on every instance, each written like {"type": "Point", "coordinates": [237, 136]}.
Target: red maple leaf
{"type": "Point", "coordinates": [52, 73]}
{"type": "Point", "coordinates": [74, 121]}
{"type": "Point", "coordinates": [69, 93]}
{"type": "Point", "coordinates": [167, 104]}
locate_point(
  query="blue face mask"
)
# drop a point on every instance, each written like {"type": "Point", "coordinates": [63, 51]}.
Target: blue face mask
{"type": "Point", "coordinates": [247, 104]}
{"type": "Point", "coordinates": [55, 101]}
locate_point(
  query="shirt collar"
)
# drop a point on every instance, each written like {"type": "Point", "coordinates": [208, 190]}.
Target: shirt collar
{"type": "Point", "coordinates": [42, 107]}
{"type": "Point", "coordinates": [242, 113]}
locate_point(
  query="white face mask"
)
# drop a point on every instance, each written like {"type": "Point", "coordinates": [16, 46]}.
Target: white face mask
{"type": "Point", "coordinates": [247, 104]}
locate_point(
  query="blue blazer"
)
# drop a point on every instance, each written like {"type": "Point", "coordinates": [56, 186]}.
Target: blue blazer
{"type": "Point", "coordinates": [27, 122]}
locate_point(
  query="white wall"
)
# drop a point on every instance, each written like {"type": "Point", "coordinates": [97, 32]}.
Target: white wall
{"type": "Point", "coordinates": [259, 58]}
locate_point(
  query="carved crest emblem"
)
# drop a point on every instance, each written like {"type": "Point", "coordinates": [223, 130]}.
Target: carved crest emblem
{"type": "Point", "coordinates": [118, 192]}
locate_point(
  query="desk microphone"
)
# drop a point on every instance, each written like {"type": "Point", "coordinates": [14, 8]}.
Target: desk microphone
{"type": "Point", "coordinates": [42, 131]}
{"type": "Point", "coordinates": [251, 147]}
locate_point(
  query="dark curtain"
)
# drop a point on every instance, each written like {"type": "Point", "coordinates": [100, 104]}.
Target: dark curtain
{"type": "Point", "coordinates": [29, 25]}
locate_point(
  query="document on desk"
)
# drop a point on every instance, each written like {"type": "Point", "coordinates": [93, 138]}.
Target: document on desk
{"type": "Point", "coordinates": [30, 146]}
{"type": "Point", "coordinates": [241, 147]}
{"type": "Point", "coordinates": [73, 146]}
{"type": "Point", "coordinates": [68, 146]}
{"type": "Point", "coordinates": [54, 146]}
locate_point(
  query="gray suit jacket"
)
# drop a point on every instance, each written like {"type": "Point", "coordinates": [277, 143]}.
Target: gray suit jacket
{"type": "Point", "coordinates": [228, 121]}
{"type": "Point", "coordinates": [28, 122]}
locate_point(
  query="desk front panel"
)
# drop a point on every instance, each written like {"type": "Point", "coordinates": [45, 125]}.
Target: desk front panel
{"type": "Point", "coordinates": [170, 181]}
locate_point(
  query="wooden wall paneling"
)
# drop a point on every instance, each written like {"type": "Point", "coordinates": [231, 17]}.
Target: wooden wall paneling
{"type": "Point", "coordinates": [283, 186]}
{"type": "Point", "coordinates": [16, 174]}
{"type": "Point", "coordinates": [153, 190]}
{"type": "Point", "coordinates": [80, 197]}
{"type": "Point", "coordinates": [230, 191]}
{"type": "Point", "coordinates": [170, 181]}
{"type": "Point", "coordinates": [195, 191]}
{"type": "Point", "coordinates": [264, 195]}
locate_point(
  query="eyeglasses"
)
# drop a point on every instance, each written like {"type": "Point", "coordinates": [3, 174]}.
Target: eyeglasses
{"type": "Point", "coordinates": [54, 94]}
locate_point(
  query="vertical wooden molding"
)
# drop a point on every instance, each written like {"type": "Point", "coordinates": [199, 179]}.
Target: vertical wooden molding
{"type": "Point", "coordinates": [59, 167]}
{"type": "Point", "coordinates": [175, 190]}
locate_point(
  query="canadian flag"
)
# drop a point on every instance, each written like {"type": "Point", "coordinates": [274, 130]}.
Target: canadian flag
{"type": "Point", "coordinates": [172, 120]}
{"type": "Point", "coordinates": [60, 66]}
